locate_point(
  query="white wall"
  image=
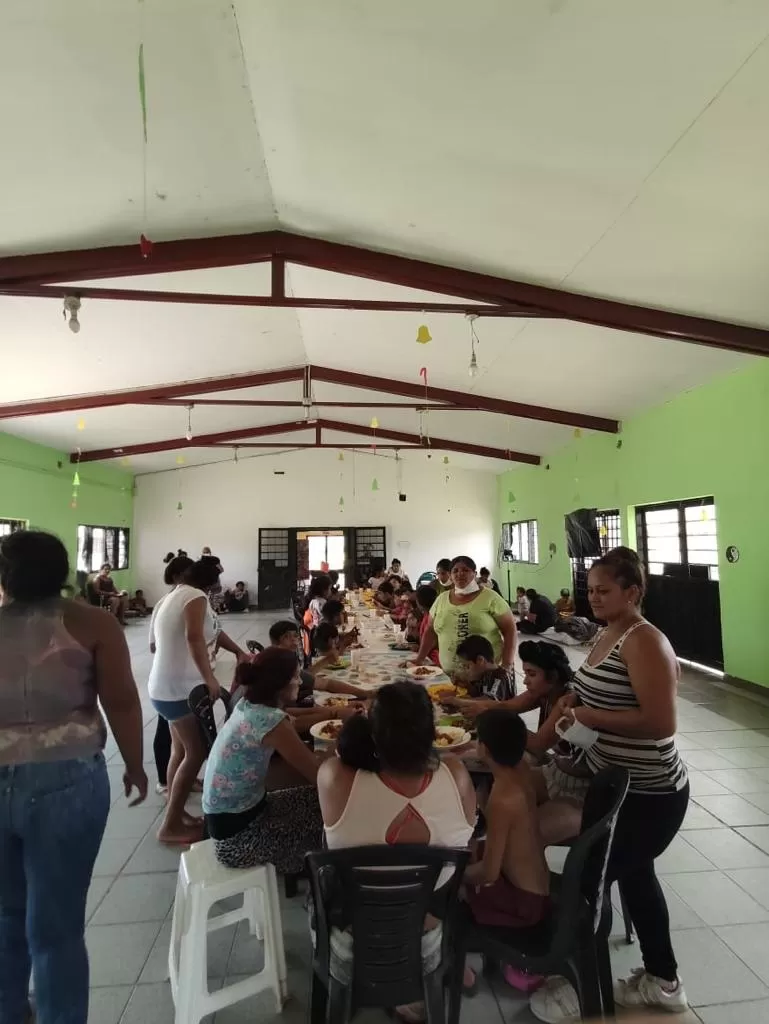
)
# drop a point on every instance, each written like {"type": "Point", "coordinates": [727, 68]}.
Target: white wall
{"type": "Point", "coordinates": [224, 505]}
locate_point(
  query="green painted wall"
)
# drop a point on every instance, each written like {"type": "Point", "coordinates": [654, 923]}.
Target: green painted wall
{"type": "Point", "coordinates": [36, 484]}
{"type": "Point", "coordinates": [711, 440]}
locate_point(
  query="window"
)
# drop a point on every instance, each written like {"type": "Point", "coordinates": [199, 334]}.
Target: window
{"type": "Point", "coordinates": [99, 544]}
{"type": "Point", "coordinates": [678, 536]}
{"type": "Point", "coordinates": [11, 526]}
{"type": "Point", "coordinates": [521, 540]}
{"type": "Point", "coordinates": [609, 536]}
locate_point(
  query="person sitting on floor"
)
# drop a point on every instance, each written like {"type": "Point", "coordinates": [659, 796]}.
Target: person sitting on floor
{"type": "Point", "coordinates": [509, 884]}
{"type": "Point", "coordinates": [138, 604]}
{"type": "Point", "coordinates": [564, 606]}
{"type": "Point", "coordinates": [248, 823]}
{"type": "Point", "coordinates": [108, 594]}
{"type": "Point", "coordinates": [485, 580]}
{"type": "Point", "coordinates": [387, 786]}
{"type": "Point", "coordinates": [237, 599]}
{"type": "Point", "coordinates": [486, 681]}
{"type": "Point", "coordinates": [541, 614]}
{"type": "Point", "coordinates": [521, 602]}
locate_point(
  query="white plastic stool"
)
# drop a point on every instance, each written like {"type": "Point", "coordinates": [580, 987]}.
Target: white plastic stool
{"type": "Point", "coordinates": [202, 882]}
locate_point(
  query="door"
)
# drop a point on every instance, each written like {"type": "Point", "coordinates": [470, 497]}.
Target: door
{"type": "Point", "coordinates": [277, 569]}
{"type": "Point", "coordinates": [678, 543]}
{"type": "Point", "coordinates": [609, 535]}
{"type": "Point", "coordinates": [367, 546]}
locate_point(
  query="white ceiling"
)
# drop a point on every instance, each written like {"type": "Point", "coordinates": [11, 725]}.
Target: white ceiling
{"type": "Point", "coordinates": [609, 146]}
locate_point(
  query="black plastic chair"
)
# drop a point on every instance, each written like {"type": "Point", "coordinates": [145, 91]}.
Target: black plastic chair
{"type": "Point", "coordinates": [571, 940]}
{"type": "Point", "coordinates": [382, 894]}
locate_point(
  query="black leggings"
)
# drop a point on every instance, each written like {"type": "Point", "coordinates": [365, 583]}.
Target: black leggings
{"type": "Point", "coordinates": [161, 747]}
{"type": "Point", "coordinates": [646, 826]}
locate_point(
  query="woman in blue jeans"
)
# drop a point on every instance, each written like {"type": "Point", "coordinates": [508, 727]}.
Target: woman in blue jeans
{"type": "Point", "coordinates": [57, 657]}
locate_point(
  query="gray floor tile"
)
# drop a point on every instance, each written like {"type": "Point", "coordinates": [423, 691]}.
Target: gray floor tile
{"type": "Point", "coordinates": [118, 951]}
{"type": "Point", "coordinates": [96, 893]}
{"type": "Point", "coordinates": [155, 969]}
{"type": "Point", "coordinates": [706, 760]}
{"type": "Point", "coordinates": [130, 822]}
{"type": "Point", "coordinates": [261, 1008]}
{"type": "Point", "coordinates": [150, 1004]}
{"type": "Point", "coordinates": [106, 1005]}
{"type": "Point", "coordinates": [736, 1013]}
{"type": "Point", "coordinates": [746, 757]}
{"type": "Point", "coordinates": [113, 855]}
{"type": "Point", "coordinates": [751, 944]}
{"type": "Point", "coordinates": [717, 899]}
{"type": "Point", "coordinates": [760, 800]}
{"type": "Point", "coordinates": [733, 738]}
{"type": "Point", "coordinates": [725, 849]}
{"type": "Point", "coordinates": [733, 810]}
{"type": "Point", "coordinates": [137, 898]}
{"type": "Point", "coordinates": [739, 780]}
{"type": "Point", "coordinates": [758, 835]}
{"type": "Point", "coordinates": [687, 741]}
{"type": "Point", "coordinates": [698, 817]}
{"type": "Point", "coordinates": [151, 856]}
{"type": "Point", "coordinates": [755, 882]}
{"type": "Point", "coordinates": [701, 784]}
{"type": "Point", "coordinates": [219, 949]}
{"type": "Point", "coordinates": [681, 856]}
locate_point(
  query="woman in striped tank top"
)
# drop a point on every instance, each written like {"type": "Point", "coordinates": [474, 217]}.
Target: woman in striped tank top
{"type": "Point", "coordinates": [626, 692]}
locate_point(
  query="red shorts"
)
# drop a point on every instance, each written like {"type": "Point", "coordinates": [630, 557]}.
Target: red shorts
{"type": "Point", "coordinates": [505, 905]}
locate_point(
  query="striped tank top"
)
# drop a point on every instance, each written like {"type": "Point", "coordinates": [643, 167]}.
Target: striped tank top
{"type": "Point", "coordinates": [655, 766]}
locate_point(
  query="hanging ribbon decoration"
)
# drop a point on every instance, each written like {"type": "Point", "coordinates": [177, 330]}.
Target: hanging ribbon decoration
{"type": "Point", "coordinates": [374, 426]}
{"type": "Point", "coordinates": [76, 480]}
{"type": "Point", "coordinates": [424, 429]}
{"type": "Point", "coordinates": [145, 245]}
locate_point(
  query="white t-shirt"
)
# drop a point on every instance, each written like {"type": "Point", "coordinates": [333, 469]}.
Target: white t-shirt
{"type": "Point", "coordinates": [174, 674]}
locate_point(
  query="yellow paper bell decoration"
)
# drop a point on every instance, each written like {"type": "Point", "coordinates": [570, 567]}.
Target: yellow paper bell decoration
{"type": "Point", "coordinates": [375, 484]}
{"type": "Point", "coordinates": [179, 507]}
{"type": "Point", "coordinates": [704, 514]}
{"type": "Point", "coordinates": [341, 501]}
{"type": "Point", "coordinates": [602, 531]}
{"type": "Point", "coordinates": [374, 423]}
{"type": "Point", "coordinates": [76, 479]}
{"type": "Point", "coordinates": [577, 432]}
{"type": "Point", "coordinates": [340, 456]}
{"type": "Point", "coordinates": [179, 460]}
{"type": "Point", "coordinates": [81, 424]}
{"type": "Point", "coordinates": [125, 461]}
{"type": "Point", "coordinates": [445, 460]}
{"type": "Point", "coordinates": [423, 335]}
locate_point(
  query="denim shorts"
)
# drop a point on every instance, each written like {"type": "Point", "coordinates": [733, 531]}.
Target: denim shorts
{"type": "Point", "coordinates": [171, 710]}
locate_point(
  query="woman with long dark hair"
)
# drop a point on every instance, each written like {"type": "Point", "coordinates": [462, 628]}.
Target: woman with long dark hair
{"type": "Point", "coordinates": [59, 660]}
{"type": "Point", "coordinates": [625, 691]}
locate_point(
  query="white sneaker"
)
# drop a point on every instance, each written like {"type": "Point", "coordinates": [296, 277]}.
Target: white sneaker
{"type": "Point", "coordinates": [160, 789]}
{"type": "Point", "coordinates": [556, 1002]}
{"type": "Point", "coordinates": [643, 989]}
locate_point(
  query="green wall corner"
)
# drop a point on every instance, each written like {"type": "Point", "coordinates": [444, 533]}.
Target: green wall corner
{"type": "Point", "coordinates": [36, 485]}
{"type": "Point", "coordinates": [713, 440]}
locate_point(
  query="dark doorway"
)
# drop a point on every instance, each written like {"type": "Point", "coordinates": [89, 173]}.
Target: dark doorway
{"type": "Point", "coordinates": [277, 568]}
{"type": "Point", "coordinates": [678, 543]}
{"type": "Point", "coordinates": [609, 535]}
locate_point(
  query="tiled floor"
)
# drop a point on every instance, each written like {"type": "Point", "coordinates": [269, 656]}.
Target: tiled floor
{"type": "Point", "coordinates": [715, 874]}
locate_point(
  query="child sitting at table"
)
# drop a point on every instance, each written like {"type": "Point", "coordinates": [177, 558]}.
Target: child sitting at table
{"type": "Point", "coordinates": [487, 683]}
{"type": "Point", "coordinates": [509, 884]}
{"type": "Point", "coordinates": [384, 596]}
{"type": "Point", "coordinates": [334, 614]}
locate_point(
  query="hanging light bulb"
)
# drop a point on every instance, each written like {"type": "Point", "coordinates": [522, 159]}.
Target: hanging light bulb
{"type": "Point", "coordinates": [72, 306]}
{"type": "Point", "coordinates": [472, 370]}
{"type": "Point", "coordinates": [188, 434]}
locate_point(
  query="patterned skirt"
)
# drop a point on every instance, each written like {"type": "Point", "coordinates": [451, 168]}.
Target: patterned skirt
{"type": "Point", "coordinates": [289, 827]}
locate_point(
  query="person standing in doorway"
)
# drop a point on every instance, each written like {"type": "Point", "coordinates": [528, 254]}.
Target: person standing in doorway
{"type": "Point", "coordinates": [59, 660]}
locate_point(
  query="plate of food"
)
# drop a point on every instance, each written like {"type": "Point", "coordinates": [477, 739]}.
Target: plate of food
{"type": "Point", "coordinates": [336, 700]}
{"type": "Point", "coordinates": [326, 732]}
{"type": "Point", "coordinates": [439, 691]}
{"type": "Point", "coordinates": [401, 645]}
{"type": "Point", "coordinates": [338, 666]}
{"type": "Point", "coordinates": [422, 672]}
{"type": "Point", "coordinates": [449, 737]}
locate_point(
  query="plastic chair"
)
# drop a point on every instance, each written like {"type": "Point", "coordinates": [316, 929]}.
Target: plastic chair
{"type": "Point", "coordinates": [382, 894]}
{"type": "Point", "coordinates": [573, 941]}
{"type": "Point", "coordinates": [202, 882]}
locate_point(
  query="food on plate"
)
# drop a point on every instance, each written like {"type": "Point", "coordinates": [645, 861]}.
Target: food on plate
{"type": "Point", "coordinates": [439, 691]}
{"type": "Point", "coordinates": [338, 702]}
{"type": "Point", "coordinates": [449, 737]}
{"type": "Point", "coordinates": [331, 730]}
{"type": "Point", "coordinates": [423, 670]}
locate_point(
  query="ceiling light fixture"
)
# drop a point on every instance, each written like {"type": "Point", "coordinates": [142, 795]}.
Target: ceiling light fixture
{"type": "Point", "coordinates": [72, 306]}
{"type": "Point", "coordinates": [188, 434]}
{"type": "Point", "coordinates": [472, 369]}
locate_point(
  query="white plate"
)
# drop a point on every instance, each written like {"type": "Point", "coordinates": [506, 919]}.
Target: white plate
{"type": "Point", "coordinates": [315, 730]}
{"type": "Point", "coordinates": [418, 672]}
{"type": "Point", "coordinates": [460, 737]}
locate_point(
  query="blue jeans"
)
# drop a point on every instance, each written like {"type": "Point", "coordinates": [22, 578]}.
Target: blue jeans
{"type": "Point", "coordinates": [52, 818]}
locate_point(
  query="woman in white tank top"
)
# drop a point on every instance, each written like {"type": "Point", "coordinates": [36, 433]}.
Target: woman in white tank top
{"type": "Point", "coordinates": [387, 786]}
